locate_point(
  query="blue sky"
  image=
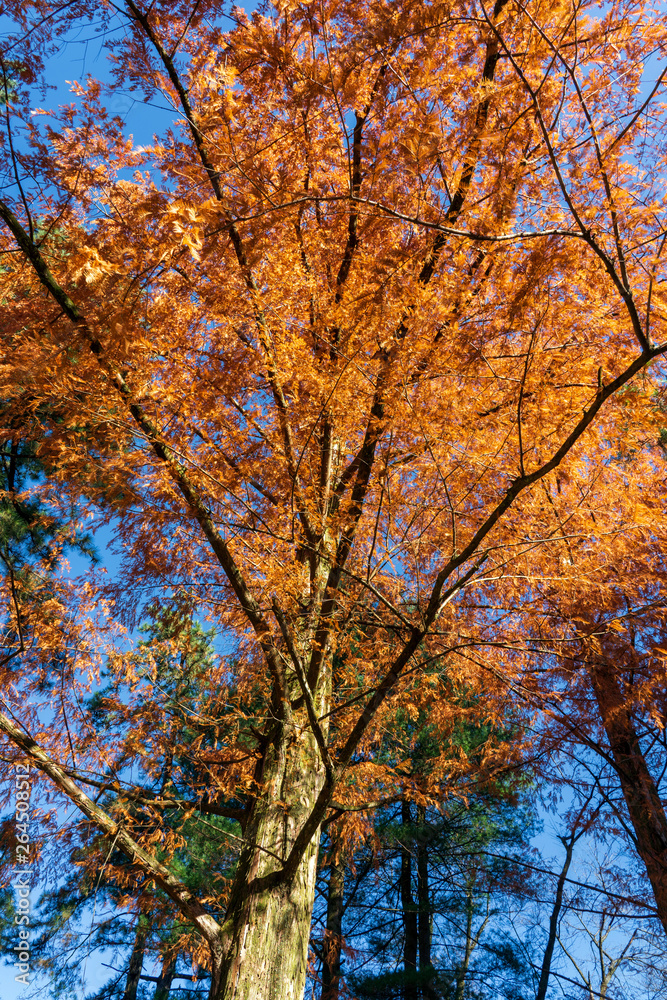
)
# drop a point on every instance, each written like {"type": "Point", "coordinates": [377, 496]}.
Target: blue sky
{"type": "Point", "coordinates": [83, 55]}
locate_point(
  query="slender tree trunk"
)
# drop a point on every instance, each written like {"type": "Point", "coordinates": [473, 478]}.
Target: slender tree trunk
{"type": "Point", "coordinates": [568, 843]}
{"type": "Point", "coordinates": [137, 957]}
{"type": "Point", "coordinates": [462, 971]}
{"type": "Point", "coordinates": [639, 789]}
{"type": "Point", "coordinates": [264, 946]}
{"type": "Point", "coordinates": [333, 935]}
{"type": "Point", "coordinates": [411, 938]}
{"type": "Point", "coordinates": [165, 978]}
{"type": "Point", "coordinates": [424, 903]}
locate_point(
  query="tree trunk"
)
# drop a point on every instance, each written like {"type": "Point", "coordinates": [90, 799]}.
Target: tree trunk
{"type": "Point", "coordinates": [639, 789]}
{"type": "Point", "coordinates": [568, 843]}
{"type": "Point", "coordinates": [411, 938]}
{"type": "Point", "coordinates": [165, 978]}
{"type": "Point", "coordinates": [333, 934]}
{"type": "Point", "coordinates": [137, 957]}
{"type": "Point", "coordinates": [462, 970]}
{"type": "Point", "coordinates": [424, 903]}
{"type": "Point", "coordinates": [264, 946]}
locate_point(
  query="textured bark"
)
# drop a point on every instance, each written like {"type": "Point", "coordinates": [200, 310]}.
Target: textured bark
{"type": "Point", "coordinates": [333, 935]}
{"type": "Point", "coordinates": [410, 941]}
{"type": "Point", "coordinates": [264, 947]}
{"type": "Point", "coordinates": [639, 789]}
{"type": "Point", "coordinates": [136, 958]}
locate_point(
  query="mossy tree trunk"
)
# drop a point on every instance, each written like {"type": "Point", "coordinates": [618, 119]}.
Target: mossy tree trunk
{"type": "Point", "coordinates": [264, 948]}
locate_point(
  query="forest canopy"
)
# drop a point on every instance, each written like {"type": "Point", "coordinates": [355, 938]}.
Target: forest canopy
{"type": "Point", "coordinates": [359, 365]}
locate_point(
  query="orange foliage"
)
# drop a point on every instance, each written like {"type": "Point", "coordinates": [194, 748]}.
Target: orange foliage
{"type": "Point", "coordinates": [365, 356]}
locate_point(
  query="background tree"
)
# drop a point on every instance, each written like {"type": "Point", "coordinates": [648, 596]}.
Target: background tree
{"type": "Point", "coordinates": [464, 944]}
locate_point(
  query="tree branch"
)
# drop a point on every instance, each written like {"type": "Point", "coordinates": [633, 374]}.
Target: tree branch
{"type": "Point", "coordinates": [189, 905]}
{"type": "Point", "coordinates": [160, 448]}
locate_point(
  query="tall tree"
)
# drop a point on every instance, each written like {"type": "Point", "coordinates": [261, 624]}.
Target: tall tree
{"type": "Point", "coordinates": [471, 854]}
{"type": "Point", "coordinates": [340, 354]}
{"type": "Point", "coordinates": [332, 943]}
{"type": "Point", "coordinates": [409, 911]}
